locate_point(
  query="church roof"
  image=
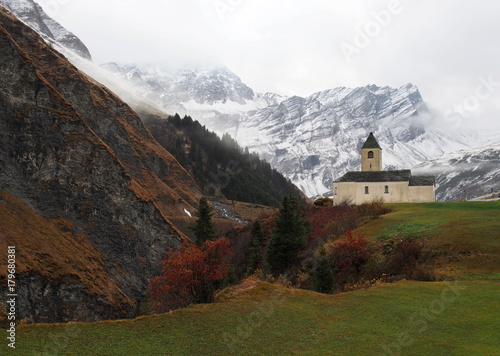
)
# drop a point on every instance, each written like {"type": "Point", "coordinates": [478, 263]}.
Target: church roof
{"type": "Point", "coordinates": [387, 176]}
{"type": "Point", "coordinates": [377, 176]}
{"type": "Point", "coordinates": [371, 142]}
{"type": "Point", "coordinates": [422, 180]}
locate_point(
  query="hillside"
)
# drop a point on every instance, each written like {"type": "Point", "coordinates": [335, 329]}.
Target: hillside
{"type": "Point", "coordinates": [86, 191]}
{"type": "Point", "coordinates": [32, 14]}
{"type": "Point", "coordinates": [456, 316]}
{"type": "Point", "coordinates": [465, 174]}
{"type": "Point", "coordinates": [220, 166]}
{"type": "Point", "coordinates": [276, 321]}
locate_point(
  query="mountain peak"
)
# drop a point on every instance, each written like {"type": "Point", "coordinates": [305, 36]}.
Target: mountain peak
{"type": "Point", "coordinates": [32, 14]}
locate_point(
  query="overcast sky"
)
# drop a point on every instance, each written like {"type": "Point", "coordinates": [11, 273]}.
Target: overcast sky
{"type": "Point", "coordinates": [450, 49]}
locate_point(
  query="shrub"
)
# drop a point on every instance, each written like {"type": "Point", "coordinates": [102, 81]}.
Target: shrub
{"type": "Point", "coordinates": [373, 209]}
{"type": "Point", "coordinates": [190, 275]}
{"type": "Point", "coordinates": [348, 257]}
{"type": "Point", "coordinates": [323, 202]}
{"type": "Point", "coordinates": [409, 260]}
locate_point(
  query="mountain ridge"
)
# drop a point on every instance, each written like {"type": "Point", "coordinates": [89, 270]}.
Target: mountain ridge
{"type": "Point", "coordinates": [79, 168]}
{"type": "Point", "coordinates": [32, 14]}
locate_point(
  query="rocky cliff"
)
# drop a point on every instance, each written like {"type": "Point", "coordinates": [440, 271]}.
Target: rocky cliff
{"type": "Point", "coordinates": [33, 15]}
{"type": "Point", "coordinates": [85, 190]}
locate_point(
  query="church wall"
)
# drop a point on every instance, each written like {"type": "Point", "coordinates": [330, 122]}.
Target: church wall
{"type": "Point", "coordinates": [422, 194]}
{"type": "Point", "coordinates": [399, 192]}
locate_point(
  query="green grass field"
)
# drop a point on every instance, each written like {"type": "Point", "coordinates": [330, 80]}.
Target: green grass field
{"type": "Point", "coordinates": [459, 317]}
{"type": "Point", "coordinates": [466, 234]}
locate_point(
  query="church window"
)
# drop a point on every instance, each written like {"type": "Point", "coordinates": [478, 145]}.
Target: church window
{"type": "Point", "coordinates": [367, 191]}
{"type": "Point", "coordinates": [370, 154]}
{"type": "Point", "coordinates": [386, 189]}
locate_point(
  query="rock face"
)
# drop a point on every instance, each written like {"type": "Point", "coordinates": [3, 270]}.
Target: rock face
{"type": "Point", "coordinates": [312, 140]}
{"type": "Point", "coordinates": [85, 190]}
{"type": "Point", "coordinates": [465, 174]}
{"type": "Point", "coordinates": [33, 15]}
{"type": "Point", "coordinates": [315, 140]}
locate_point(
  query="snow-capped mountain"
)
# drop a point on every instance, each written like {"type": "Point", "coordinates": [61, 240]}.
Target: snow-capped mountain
{"type": "Point", "coordinates": [317, 139]}
{"type": "Point", "coordinates": [33, 15]}
{"type": "Point", "coordinates": [312, 140]}
{"type": "Point", "coordinates": [211, 94]}
{"type": "Point", "coordinates": [465, 174]}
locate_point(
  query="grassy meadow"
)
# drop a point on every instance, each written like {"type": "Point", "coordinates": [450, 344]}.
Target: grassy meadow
{"type": "Point", "coordinates": [458, 315]}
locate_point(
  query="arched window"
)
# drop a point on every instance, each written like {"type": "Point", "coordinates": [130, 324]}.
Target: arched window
{"type": "Point", "coordinates": [386, 189]}
{"type": "Point", "coordinates": [370, 154]}
{"type": "Point", "coordinates": [367, 191]}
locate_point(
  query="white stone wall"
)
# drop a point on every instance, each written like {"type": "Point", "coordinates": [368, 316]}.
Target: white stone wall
{"type": "Point", "coordinates": [398, 192]}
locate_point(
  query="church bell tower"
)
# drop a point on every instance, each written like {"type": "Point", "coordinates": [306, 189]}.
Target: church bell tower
{"type": "Point", "coordinates": [371, 155]}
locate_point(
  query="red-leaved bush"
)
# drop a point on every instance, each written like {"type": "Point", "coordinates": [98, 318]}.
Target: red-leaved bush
{"type": "Point", "coordinates": [348, 257]}
{"type": "Point", "coordinates": [189, 275]}
{"type": "Point", "coordinates": [329, 222]}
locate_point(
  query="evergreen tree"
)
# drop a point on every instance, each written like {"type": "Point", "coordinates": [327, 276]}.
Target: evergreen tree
{"type": "Point", "coordinates": [323, 276]}
{"type": "Point", "coordinates": [256, 242]}
{"type": "Point", "coordinates": [205, 228]}
{"type": "Point", "coordinates": [288, 238]}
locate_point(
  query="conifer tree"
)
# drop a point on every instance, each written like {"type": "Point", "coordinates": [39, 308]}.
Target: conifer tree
{"type": "Point", "coordinates": [205, 228]}
{"type": "Point", "coordinates": [288, 238]}
{"type": "Point", "coordinates": [323, 276]}
{"type": "Point", "coordinates": [256, 242]}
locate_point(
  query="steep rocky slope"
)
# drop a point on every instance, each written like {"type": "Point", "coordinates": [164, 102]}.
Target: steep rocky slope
{"type": "Point", "coordinates": [85, 190]}
{"type": "Point", "coordinates": [465, 174]}
{"type": "Point", "coordinates": [317, 139]}
{"type": "Point", "coordinates": [33, 15]}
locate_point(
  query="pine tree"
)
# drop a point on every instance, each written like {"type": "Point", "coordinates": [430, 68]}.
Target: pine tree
{"type": "Point", "coordinates": [205, 228]}
{"type": "Point", "coordinates": [256, 242]}
{"type": "Point", "coordinates": [323, 276]}
{"type": "Point", "coordinates": [288, 237]}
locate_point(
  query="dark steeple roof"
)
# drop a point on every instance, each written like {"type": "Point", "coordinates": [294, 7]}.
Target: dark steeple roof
{"type": "Point", "coordinates": [371, 142]}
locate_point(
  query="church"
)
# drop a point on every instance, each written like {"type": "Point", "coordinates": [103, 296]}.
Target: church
{"type": "Point", "coordinates": [374, 183]}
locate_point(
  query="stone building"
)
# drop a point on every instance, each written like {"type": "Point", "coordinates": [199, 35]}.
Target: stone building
{"type": "Point", "coordinates": [372, 182]}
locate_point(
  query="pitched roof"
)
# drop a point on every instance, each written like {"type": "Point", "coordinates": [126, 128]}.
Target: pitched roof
{"type": "Point", "coordinates": [403, 175]}
{"type": "Point", "coordinates": [371, 142]}
{"type": "Point", "coordinates": [422, 180]}
{"type": "Point", "coordinates": [377, 176]}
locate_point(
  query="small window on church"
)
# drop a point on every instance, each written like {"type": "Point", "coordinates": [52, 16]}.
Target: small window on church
{"type": "Point", "coordinates": [367, 191]}
{"type": "Point", "coordinates": [386, 189]}
{"type": "Point", "coordinates": [370, 154]}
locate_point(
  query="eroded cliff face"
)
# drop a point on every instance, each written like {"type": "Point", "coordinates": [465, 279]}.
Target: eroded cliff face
{"type": "Point", "coordinates": [33, 15]}
{"type": "Point", "coordinates": [85, 190]}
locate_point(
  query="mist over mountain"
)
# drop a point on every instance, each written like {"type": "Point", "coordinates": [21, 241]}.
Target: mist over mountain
{"type": "Point", "coordinates": [311, 140]}
{"type": "Point", "coordinates": [33, 15]}
{"type": "Point", "coordinates": [465, 174]}
{"type": "Point", "coordinates": [86, 192]}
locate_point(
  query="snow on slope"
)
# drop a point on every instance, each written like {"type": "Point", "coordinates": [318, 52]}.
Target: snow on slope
{"type": "Point", "coordinates": [465, 174]}
{"type": "Point", "coordinates": [315, 140]}
{"type": "Point", "coordinates": [33, 15]}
